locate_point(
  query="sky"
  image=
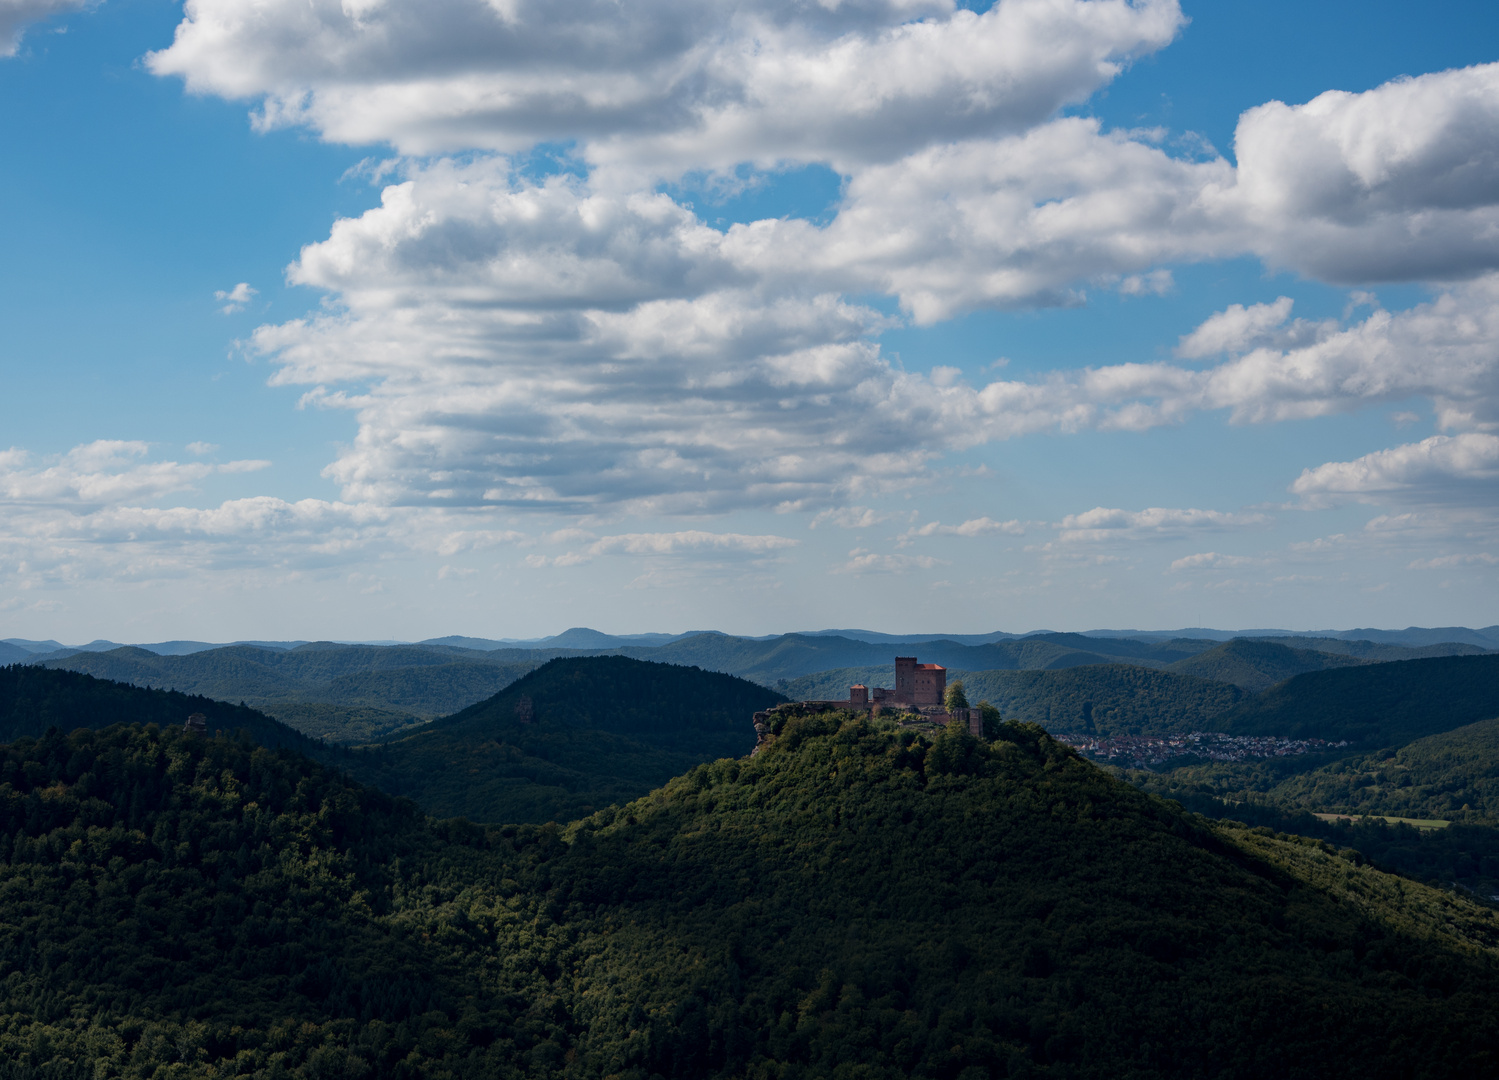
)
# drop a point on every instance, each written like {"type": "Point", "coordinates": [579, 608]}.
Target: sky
{"type": "Point", "coordinates": [387, 319]}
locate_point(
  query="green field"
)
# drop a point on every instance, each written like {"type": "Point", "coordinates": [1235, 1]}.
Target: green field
{"type": "Point", "coordinates": [1415, 823]}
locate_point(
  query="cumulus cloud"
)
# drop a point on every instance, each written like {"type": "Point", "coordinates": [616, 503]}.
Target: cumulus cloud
{"type": "Point", "coordinates": [1395, 183]}
{"type": "Point", "coordinates": [1103, 524]}
{"type": "Point", "coordinates": [1236, 329]}
{"type": "Point", "coordinates": [104, 472]}
{"type": "Point", "coordinates": [236, 298]}
{"type": "Point", "coordinates": [89, 515]}
{"type": "Point", "coordinates": [586, 343]}
{"type": "Point", "coordinates": [668, 84]}
{"type": "Point", "coordinates": [546, 345]}
{"type": "Point", "coordinates": [1459, 469]}
{"type": "Point", "coordinates": [17, 15]}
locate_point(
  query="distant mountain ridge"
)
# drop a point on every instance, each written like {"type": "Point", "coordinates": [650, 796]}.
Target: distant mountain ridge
{"type": "Point", "coordinates": [582, 637]}
{"type": "Point", "coordinates": [355, 693]}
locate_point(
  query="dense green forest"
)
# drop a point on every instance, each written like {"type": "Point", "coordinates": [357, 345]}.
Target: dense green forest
{"type": "Point", "coordinates": [852, 901]}
{"type": "Point", "coordinates": [1375, 705]}
{"type": "Point", "coordinates": [1463, 855]}
{"type": "Point", "coordinates": [1453, 775]}
{"type": "Point", "coordinates": [33, 699]}
{"type": "Point", "coordinates": [1254, 665]}
{"type": "Point", "coordinates": [571, 737]}
{"type": "Point", "coordinates": [1450, 776]}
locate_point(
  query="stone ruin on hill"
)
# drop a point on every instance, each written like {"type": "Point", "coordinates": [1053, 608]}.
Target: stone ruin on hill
{"type": "Point", "coordinates": [918, 698]}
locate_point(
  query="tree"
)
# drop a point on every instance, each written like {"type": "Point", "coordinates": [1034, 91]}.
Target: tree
{"type": "Point", "coordinates": [956, 699]}
{"type": "Point", "coordinates": [991, 720]}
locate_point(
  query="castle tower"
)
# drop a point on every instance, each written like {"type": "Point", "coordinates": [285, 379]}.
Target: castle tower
{"type": "Point", "coordinates": [919, 684]}
{"type": "Point", "coordinates": [905, 680]}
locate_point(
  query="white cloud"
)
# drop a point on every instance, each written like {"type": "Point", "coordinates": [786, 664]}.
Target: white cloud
{"type": "Point", "coordinates": [1458, 469]}
{"type": "Point", "coordinates": [104, 472]}
{"type": "Point", "coordinates": [1019, 221]}
{"type": "Point", "coordinates": [665, 85]}
{"type": "Point", "coordinates": [973, 527]}
{"type": "Point", "coordinates": [549, 347]}
{"type": "Point", "coordinates": [689, 543]}
{"type": "Point", "coordinates": [1396, 183]}
{"type": "Point", "coordinates": [1451, 562]}
{"type": "Point", "coordinates": [850, 517]}
{"type": "Point", "coordinates": [236, 298]}
{"type": "Point", "coordinates": [1102, 524]}
{"type": "Point", "coordinates": [586, 343]}
{"type": "Point", "coordinates": [201, 448]}
{"type": "Point", "coordinates": [552, 347]}
{"type": "Point", "coordinates": [690, 540]}
{"type": "Point", "coordinates": [863, 561]}
{"type": "Point", "coordinates": [1212, 560]}
{"type": "Point", "coordinates": [1235, 329]}
{"type": "Point", "coordinates": [17, 15]}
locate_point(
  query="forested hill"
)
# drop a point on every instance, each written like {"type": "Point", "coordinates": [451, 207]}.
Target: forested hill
{"type": "Point", "coordinates": [1454, 775]}
{"type": "Point", "coordinates": [569, 738]}
{"type": "Point", "coordinates": [1255, 665]}
{"type": "Point", "coordinates": [33, 699]}
{"type": "Point", "coordinates": [850, 902]}
{"type": "Point", "coordinates": [345, 693]}
{"type": "Point", "coordinates": [1374, 705]}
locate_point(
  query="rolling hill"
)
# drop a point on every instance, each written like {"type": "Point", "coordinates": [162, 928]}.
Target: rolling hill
{"type": "Point", "coordinates": [849, 902]}
{"type": "Point", "coordinates": [1256, 664]}
{"type": "Point", "coordinates": [1376, 704]}
{"type": "Point", "coordinates": [343, 693]}
{"type": "Point", "coordinates": [33, 699]}
{"type": "Point", "coordinates": [1453, 775]}
{"type": "Point", "coordinates": [570, 737]}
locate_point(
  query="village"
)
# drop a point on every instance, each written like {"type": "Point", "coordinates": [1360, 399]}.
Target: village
{"type": "Point", "coordinates": [1138, 751]}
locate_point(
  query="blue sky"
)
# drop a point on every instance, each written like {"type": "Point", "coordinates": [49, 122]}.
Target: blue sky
{"type": "Point", "coordinates": [778, 315]}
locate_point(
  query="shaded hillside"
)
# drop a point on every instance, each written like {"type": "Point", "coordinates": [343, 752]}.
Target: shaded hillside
{"type": "Point", "coordinates": [1451, 775]}
{"type": "Point", "coordinates": [1106, 699]}
{"type": "Point", "coordinates": [851, 902]}
{"type": "Point", "coordinates": [1111, 699]}
{"type": "Point", "coordinates": [1382, 652]}
{"type": "Point", "coordinates": [342, 693]}
{"type": "Point", "coordinates": [33, 699]}
{"type": "Point", "coordinates": [571, 737]}
{"type": "Point", "coordinates": [794, 655]}
{"type": "Point", "coordinates": [1375, 704]}
{"type": "Point", "coordinates": [1255, 664]}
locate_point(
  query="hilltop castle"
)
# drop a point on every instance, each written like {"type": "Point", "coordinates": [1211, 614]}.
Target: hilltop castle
{"type": "Point", "coordinates": [919, 692]}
